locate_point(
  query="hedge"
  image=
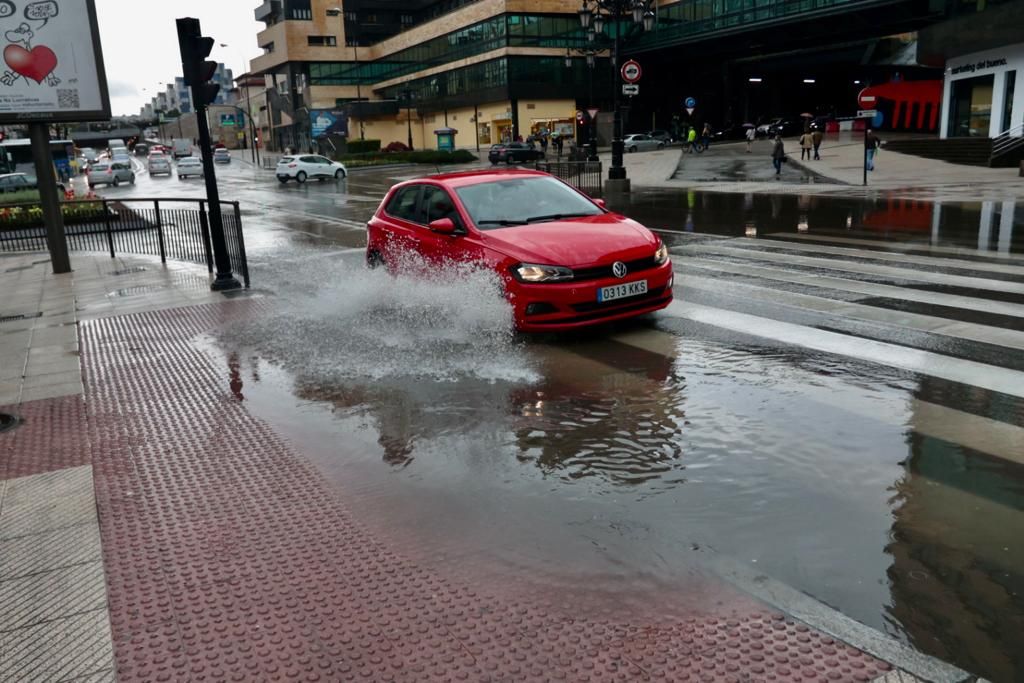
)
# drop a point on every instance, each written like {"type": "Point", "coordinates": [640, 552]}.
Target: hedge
{"type": "Point", "coordinates": [362, 146]}
{"type": "Point", "coordinates": [426, 156]}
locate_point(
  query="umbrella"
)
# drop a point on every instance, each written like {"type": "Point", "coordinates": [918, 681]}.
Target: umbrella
{"type": "Point", "coordinates": [749, 125]}
{"type": "Point", "coordinates": [805, 115]}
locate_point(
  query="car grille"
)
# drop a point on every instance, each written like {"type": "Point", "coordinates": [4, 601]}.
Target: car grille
{"type": "Point", "coordinates": [615, 303]}
{"type": "Point", "coordinates": [597, 272]}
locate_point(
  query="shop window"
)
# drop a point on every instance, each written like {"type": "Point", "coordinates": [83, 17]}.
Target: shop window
{"type": "Point", "coordinates": [1008, 90]}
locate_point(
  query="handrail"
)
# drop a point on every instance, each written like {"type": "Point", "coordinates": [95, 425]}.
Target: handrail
{"type": "Point", "coordinates": [1010, 138]}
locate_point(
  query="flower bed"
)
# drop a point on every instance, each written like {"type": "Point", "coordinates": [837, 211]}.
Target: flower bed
{"type": "Point", "coordinates": [31, 215]}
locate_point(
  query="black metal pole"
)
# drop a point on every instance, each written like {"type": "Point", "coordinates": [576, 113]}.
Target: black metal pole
{"type": "Point", "coordinates": [616, 171]}
{"type": "Point", "coordinates": [224, 279]}
{"type": "Point", "coordinates": [408, 117]}
{"type": "Point", "coordinates": [56, 240]}
{"type": "Point", "coordinates": [865, 152]}
{"type": "Point", "coordinates": [476, 125]}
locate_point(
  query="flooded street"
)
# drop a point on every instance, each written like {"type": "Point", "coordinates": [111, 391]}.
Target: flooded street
{"type": "Point", "coordinates": [835, 400]}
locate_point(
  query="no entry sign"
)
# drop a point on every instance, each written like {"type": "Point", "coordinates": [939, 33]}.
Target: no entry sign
{"type": "Point", "coordinates": [631, 71]}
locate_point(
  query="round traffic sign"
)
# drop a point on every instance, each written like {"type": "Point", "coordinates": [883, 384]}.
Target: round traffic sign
{"type": "Point", "coordinates": [690, 103]}
{"type": "Point", "coordinates": [631, 71]}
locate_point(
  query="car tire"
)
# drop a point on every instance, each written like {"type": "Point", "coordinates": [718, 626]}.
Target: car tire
{"type": "Point", "coordinates": [300, 177]}
{"type": "Point", "coordinates": [92, 187]}
{"type": "Point", "coordinates": [632, 149]}
{"type": "Point", "coordinates": [181, 177]}
{"type": "Point", "coordinates": [283, 181]}
{"type": "Point", "coordinates": [374, 260]}
{"type": "Point", "coordinates": [339, 175]}
{"type": "Point", "coordinates": [132, 181]}
{"type": "Point", "coordinates": [661, 145]}
{"type": "Point", "coordinates": [117, 181]}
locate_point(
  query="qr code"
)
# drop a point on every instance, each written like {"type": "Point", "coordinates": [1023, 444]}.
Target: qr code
{"type": "Point", "coordinates": [67, 98]}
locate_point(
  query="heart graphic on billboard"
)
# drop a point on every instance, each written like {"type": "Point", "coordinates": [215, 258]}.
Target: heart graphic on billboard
{"type": "Point", "coordinates": [36, 64]}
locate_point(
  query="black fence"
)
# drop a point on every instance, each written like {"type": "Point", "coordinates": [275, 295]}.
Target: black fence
{"type": "Point", "coordinates": [585, 176]}
{"type": "Point", "coordinates": [178, 229]}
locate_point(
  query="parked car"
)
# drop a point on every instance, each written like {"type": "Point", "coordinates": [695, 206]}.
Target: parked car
{"type": "Point", "coordinates": [111, 173]}
{"type": "Point", "coordinates": [222, 156]}
{"type": "Point", "coordinates": [763, 130]}
{"type": "Point", "coordinates": [786, 127]}
{"type": "Point", "coordinates": [190, 166]}
{"type": "Point", "coordinates": [563, 260]}
{"type": "Point", "coordinates": [513, 153]}
{"type": "Point", "coordinates": [662, 135]}
{"type": "Point", "coordinates": [729, 132]}
{"type": "Point", "coordinates": [299, 168]}
{"type": "Point", "coordinates": [159, 163]}
{"type": "Point", "coordinates": [16, 182]}
{"type": "Point", "coordinates": [639, 142]}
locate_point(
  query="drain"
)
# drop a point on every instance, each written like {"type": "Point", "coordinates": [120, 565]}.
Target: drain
{"type": "Point", "coordinates": [20, 316]}
{"type": "Point", "coordinates": [8, 422]}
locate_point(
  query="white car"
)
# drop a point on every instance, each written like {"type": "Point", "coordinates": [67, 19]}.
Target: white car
{"type": "Point", "coordinates": [159, 163]}
{"type": "Point", "coordinates": [641, 143]}
{"type": "Point", "coordinates": [306, 166]}
{"type": "Point", "coordinates": [110, 173]}
{"type": "Point", "coordinates": [221, 156]}
{"type": "Point", "coordinates": [188, 166]}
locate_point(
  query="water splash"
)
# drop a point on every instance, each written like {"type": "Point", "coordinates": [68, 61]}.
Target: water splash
{"type": "Point", "coordinates": [333, 319]}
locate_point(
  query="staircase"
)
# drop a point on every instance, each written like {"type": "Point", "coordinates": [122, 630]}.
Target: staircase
{"type": "Point", "coordinates": [1008, 147]}
{"type": "Point", "coordinates": [968, 151]}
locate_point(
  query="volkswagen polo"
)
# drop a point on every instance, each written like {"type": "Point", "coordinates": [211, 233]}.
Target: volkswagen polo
{"type": "Point", "coordinates": [564, 260]}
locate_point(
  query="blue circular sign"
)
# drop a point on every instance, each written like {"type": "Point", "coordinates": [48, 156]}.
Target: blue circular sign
{"type": "Point", "coordinates": [690, 102]}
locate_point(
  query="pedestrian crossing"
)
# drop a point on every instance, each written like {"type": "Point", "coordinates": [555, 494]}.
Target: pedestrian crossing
{"type": "Point", "coordinates": [952, 315]}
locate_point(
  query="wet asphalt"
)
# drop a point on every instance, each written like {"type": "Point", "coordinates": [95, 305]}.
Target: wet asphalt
{"type": "Point", "coordinates": [836, 399]}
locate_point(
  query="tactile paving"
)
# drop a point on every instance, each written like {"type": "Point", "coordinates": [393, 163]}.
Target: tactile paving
{"type": "Point", "coordinates": [228, 557]}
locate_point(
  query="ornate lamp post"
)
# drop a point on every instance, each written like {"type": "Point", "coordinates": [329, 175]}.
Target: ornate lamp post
{"type": "Point", "coordinates": [408, 95]}
{"type": "Point", "coordinates": [596, 14]}
{"type": "Point", "coordinates": [590, 53]}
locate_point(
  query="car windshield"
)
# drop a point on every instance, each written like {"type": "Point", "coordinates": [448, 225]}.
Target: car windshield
{"type": "Point", "coordinates": [522, 200]}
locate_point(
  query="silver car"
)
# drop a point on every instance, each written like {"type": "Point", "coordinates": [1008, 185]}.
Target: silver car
{"type": "Point", "coordinates": [110, 173]}
{"type": "Point", "coordinates": [638, 142]}
{"type": "Point", "coordinates": [189, 166]}
{"type": "Point", "coordinates": [158, 163]}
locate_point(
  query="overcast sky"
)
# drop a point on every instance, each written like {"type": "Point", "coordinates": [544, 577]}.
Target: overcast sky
{"type": "Point", "coordinates": [140, 42]}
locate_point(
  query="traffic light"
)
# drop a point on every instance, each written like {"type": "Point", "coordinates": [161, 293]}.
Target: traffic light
{"type": "Point", "coordinates": [197, 69]}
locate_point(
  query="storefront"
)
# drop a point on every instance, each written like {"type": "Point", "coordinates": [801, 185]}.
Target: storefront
{"type": "Point", "coordinates": [981, 93]}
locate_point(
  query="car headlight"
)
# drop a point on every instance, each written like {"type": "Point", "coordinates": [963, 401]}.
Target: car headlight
{"type": "Point", "coordinates": [531, 272]}
{"type": "Point", "coordinates": [661, 255]}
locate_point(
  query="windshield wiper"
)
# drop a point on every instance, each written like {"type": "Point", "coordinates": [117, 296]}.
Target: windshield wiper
{"type": "Point", "coordinates": [500, 221]}
{"type": "Point", "coordinates": [555, 217]}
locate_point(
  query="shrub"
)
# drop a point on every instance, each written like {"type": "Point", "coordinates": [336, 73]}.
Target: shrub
{"type": "Point", "coordinates": [396, 146]}
{"type": "Point", "coordinates": [360, 146]}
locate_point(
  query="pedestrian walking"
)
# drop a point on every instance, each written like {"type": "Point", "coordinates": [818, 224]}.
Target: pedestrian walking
{"type": "Point", "coordinates": [871, 145]}
{"type": "Point", "coordinates": [806, 142]}
{"type": "Point", "coordinates": [691, 140]}
{"type": "Point", "coordinates": [544, 144]}
{"type": "Point", "coordinates": [750, 138]}
{"type": "Point", "coordinates": [778, 154]}
{"type": "Point", "coordinates": [816, 138]}
{"type": "Point", "coordinates": [705, 136]}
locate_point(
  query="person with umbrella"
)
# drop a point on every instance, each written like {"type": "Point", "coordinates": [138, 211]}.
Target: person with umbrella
{"type": "Point", "coordinates": [750, 133]}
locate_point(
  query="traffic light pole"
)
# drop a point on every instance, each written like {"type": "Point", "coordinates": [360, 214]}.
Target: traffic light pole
{"type": "Point", "coordinates": [194, 50]}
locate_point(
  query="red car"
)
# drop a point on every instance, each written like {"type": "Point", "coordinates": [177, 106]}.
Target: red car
{"type": "Point", "coordinates": [565, 261]}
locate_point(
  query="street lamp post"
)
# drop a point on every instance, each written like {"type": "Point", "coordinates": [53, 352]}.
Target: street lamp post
{"type": "Point", "coordinates": [407, 95]}
{"type": "Point", "coordinates": [590, 52]}
{"type": "Point", "coordinates": [338, 12]}
{"type": "Point", "coordinates": [598, 13]}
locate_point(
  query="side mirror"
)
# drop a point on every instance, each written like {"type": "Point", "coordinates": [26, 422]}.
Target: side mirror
{"type": "Point", "coordinates": [445, 226]}
{"type": "Point", "coordinates": [600, 202]}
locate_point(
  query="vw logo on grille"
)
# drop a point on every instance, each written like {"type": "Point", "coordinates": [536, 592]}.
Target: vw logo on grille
{"type": "Point", "coordinates": [619, 269]}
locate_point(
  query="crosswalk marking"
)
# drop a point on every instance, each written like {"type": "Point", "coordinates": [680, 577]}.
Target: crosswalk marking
{"type": "Point", "coordinates": [953, 263]}
{"type": "Point", "coordinates": [897, 246]}
{"type": "Point", "coordinates": [861, 268]}
{"type": "Point", "coordinates": [859, 287]}
{"type": "Point", "coordinates": [1003, 380]}
{"type": "Point", "coordinates": [924, 323]}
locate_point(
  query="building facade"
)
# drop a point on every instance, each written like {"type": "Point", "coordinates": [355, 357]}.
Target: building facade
{"type": "Point", "coordinates": [491, 69]}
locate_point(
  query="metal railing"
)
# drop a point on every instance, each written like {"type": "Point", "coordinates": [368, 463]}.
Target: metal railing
{"type": "Point", "coordinates": [585, 176]}
{"type": "Point", "coordinates": [178, 229]}
{"type": "Point", "coordinates": [1008, 140]}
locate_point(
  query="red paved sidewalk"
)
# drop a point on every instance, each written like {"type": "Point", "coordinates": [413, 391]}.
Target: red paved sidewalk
{"type": "Point", "coordinates": [228, 557]}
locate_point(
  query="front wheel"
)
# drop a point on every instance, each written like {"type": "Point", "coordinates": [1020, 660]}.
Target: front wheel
{"type": "Point", "coordinates": [181, 177]}
{"type": "Point", "coordinates": [300, 177]}
{"type": "Point", "coordinates": [339, 175]}
{"type": "Point", "coordinates": [283, 181]}
{"type": "Point", "coordinates": [661, 145]}
{"type": "Point", "coordinates": [374, 260]}
{"type": "Point", "coordinates": [132, 181]}
{"type": "Point", "coordinates": [631, 149]}
{"type": "Point", "coordinates": [117, 181]}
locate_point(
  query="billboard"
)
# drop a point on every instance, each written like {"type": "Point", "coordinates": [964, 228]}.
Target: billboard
{"type": "Point", "coordinates": [52, 69]}
{"type": "Point", "coordinates": [231, 120]}
{"type": "Point", "coordinates": [328, 122]}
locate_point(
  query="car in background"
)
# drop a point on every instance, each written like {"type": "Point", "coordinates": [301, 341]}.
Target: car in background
{"type": "Point", "coordinates": [190, 166]}
{"type": "Point", "coordinates": [564, 261]}
{"type": "Point", "coordinates": [513, 153]}
{"type": "Point", "coordinates": [159, 163]}
{"type": "Point", "coordinates": [119, 151]}
{"type": "Point", "coordinates": [639, 142]}
{"type": "Point", "coordinates": [89, 154]}
{"type": "Point", "coordinates": [662, 135]}
{"type": "Point", "coordinates": [730, 132]}
{"type": "Point", "coordinates": [786, 128]}
{"type": "Point", "coordinates": [141, 149]}
{"type": "Point", "coordinates": [300, 168]}
{"type": "Point", "coordinates": [111, 173]}
{"type": "Point", "coordinates": [221, 156]}
{"type": "Point", "coordinates": [181, 147]}
{"type": "Point", "coordinates": [763, 130]}
{"type": "Point", "coordinates": [16, 182]}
